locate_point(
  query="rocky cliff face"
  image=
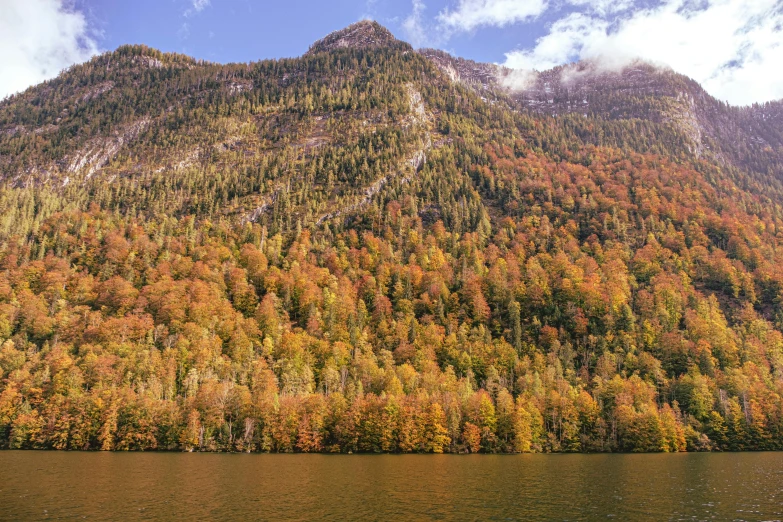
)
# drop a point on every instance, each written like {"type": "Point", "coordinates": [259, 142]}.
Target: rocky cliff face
{"type": "Point", "coordinates": [480, 75]}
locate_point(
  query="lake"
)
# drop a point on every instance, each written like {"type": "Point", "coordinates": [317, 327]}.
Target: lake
{"type": "Point", "coordinates": [166, 486]}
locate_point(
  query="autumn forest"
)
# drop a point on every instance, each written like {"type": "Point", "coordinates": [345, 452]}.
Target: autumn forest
{"type": "Point", "coordinates": [352, 252]}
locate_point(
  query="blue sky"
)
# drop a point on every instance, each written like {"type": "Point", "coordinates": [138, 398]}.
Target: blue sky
{"type": "Point", "coordinates": [734, 48]}
{"type": "Point", "coordinates": [247, 30]}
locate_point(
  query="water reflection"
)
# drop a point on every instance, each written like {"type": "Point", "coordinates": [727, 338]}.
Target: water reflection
{"type": "Point", "coordinates": [48, 485]}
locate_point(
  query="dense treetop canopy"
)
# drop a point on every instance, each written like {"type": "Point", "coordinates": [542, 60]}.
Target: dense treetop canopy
{"type": "Point", "coordinates": [356, 251]}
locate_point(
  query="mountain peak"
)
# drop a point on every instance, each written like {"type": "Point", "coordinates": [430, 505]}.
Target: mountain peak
{"type": "Point", "coordinates": [363, 34]}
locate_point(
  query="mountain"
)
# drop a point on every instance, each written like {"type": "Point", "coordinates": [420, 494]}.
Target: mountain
{"type": "Point", "coordinates": [749, 138]}
{"type": "Point", "coordinates": [373, 249]}
{"type": "Point", "coordinates": [361, 35]}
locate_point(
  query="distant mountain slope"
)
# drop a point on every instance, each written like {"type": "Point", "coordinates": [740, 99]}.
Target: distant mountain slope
{"type": "Point", "coordinates": [749, 138]}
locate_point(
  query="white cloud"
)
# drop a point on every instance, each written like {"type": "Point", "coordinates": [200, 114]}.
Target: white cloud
{"type": "Point", "coordinates": [734, 48]}
{"type": "Point", "coordinates": [413, 25]}
{"type": "Point", "coordinates": [40, 38]}
{"type": "Point", "coordinates": [196, 6]}
{"type": "Point", "coordinates": [472, 14]}
{"type": "Point", "coordinates": [568, 38]}
{"type": "Point", "coordinates": [603, 7]}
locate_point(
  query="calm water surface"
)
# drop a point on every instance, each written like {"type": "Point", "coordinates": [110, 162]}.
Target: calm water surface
{"type": "Point", "coordinates": [168, 486]}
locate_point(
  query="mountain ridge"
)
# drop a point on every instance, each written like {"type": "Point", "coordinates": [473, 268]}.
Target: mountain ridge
{"type": "Point", "coordinates": [729, 135]}
{"type": "Point", "coordinates": [581, 88]}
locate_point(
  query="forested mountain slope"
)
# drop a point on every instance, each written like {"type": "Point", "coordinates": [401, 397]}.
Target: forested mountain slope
{"type": "Point", "coordinates": [358, 250]}
{"type": "Point", "coordinates": [652, 101]}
